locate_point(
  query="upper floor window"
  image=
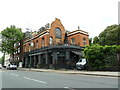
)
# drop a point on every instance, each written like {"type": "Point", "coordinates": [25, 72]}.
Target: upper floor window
{"type": "Point", "coordinates": [18, 50]}
{"type": "Point", "coordinates": [72, 40]}
{"type": "Point", "coordinates": [57, 33]}
{"type": "Point", "coordinates": [18, 58]}
{"type": "Point", "coordinates": [18, 43]}
{"type": "Point", "coordinates": [84, 41]}
{"type": "Point", "coordinates": [29, 47]}
{"type": "Point", "coordinates": [43, 42]}
{"type": "Point", "coordinates": [37, 44]}
{"type": "Point", "coordinates": [51, 40]}
{"type": "Point", "coordinates": [25, 48]}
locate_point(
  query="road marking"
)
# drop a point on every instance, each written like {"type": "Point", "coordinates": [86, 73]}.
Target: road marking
{"type": "Point", "coordinates": [65, 87]}
{"type": "Point", "coordinates": [35, 80]}
{"type": "Point", "coordinates": [69, 88]}
{"type": "Point", "coordinates": [14, 74]}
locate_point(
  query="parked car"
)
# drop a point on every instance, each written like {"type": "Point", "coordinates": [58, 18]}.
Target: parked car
{"type": "Point", "coordinates": [11, 66]}
{"type": "Point", "coordinates": [0, 66]}
{"type": "Point", "coordinates": [81, 64]}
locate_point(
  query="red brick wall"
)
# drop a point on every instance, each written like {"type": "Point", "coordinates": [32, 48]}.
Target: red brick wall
{"type": "Point", "coordinates": [79, 39]}
{"type": "Point", "coordinates": [57, 24]}
{"type": "Point", "coordinates": [51, 33]}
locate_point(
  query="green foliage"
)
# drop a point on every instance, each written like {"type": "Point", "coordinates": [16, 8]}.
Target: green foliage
{"type": "Point", "coordinates": [10, 36]}
{"type": "Point", "coordinates": [101, 57]}
{"type": "Point", "coordinates": [118, 49]}
{"type": "Point", "coordinates": [110, 36]}
{"type": "Point", "coordinates": [96, 40]}
{"type": "Point", "coordinates": [90, 41]}
{"type": "Point", "coordinates": [2, 60]}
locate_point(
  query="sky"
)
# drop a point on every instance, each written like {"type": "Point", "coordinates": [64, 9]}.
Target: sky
{"type": "Point", "coordinates": [92, 16]}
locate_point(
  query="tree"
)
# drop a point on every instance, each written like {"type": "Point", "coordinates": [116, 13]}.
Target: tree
{"type": "Point", "coordinates": [90, 41]}
{"type": "Point", "coordinates": [2, 60]}
{"type": "Point", "coordinates": [10, 36]}
{"type": "Point", "coordinates": [110, 36]}
{"type": "Point", "coordinates": [96, 40]}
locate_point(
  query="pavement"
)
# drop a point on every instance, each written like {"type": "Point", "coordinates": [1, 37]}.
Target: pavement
{"type": "Point", "coordinates": [95, 73]}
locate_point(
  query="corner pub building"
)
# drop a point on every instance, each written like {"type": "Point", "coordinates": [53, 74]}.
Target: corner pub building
{"type": "Point", "coordinates": [54, 47]}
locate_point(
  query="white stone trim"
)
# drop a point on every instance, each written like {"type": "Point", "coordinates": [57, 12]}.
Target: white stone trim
{"type": "Point", "coordinates": [77, 31]}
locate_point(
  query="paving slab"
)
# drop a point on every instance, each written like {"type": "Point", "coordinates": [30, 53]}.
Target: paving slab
{"type": "Point", "coordinates": [97, 73]}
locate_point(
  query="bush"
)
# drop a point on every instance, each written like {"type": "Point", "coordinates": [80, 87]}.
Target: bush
{"type": "Point", "coordinates": [101, 57]}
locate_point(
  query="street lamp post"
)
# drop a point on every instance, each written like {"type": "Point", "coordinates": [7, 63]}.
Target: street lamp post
{"type": "Point", "coordinates": [31, 44]}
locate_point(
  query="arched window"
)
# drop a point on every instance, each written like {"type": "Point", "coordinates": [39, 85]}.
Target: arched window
{"type": "Point", "coordinates": [57, 33]}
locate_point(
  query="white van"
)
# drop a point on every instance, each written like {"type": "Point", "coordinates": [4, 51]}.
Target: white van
{"type": "Point", "coordinates": [81, 64]}
{"type": "Point", "coordinates": [11, 66]}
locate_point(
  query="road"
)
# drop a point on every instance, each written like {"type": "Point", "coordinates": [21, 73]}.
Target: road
{"type": "Point", "coordinates": [0, 79]}
{"type": "Point", "coordinates": [31, 79]}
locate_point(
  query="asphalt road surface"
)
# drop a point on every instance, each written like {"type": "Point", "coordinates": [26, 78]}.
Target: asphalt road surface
{"type": "Point", "coordinates": [0, 79]}
{"type": "Point", "coordinates": [31, 79]}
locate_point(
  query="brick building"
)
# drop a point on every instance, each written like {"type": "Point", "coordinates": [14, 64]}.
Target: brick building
{"type": "Point", "coordinates": [18, 54]}
{"type": "Point", "coordinates": [53, 46]}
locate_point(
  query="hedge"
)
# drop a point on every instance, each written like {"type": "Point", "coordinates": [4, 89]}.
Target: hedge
{"type": "Point", "coordinates": [101, 57]}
